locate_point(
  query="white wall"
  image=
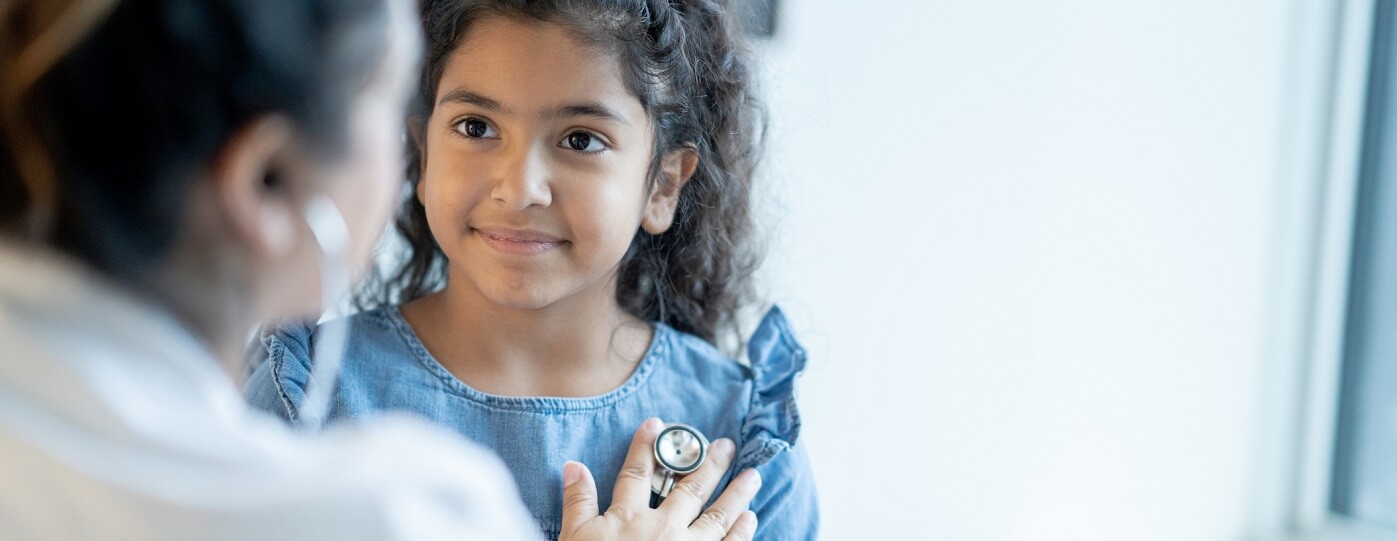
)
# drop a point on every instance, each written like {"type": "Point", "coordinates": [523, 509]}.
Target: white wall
{"type": "Point", "coordinates": [1026, 244]}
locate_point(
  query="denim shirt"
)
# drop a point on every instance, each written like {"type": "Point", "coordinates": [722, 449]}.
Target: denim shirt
{"type": "Point", "coordinates": [681, 379]}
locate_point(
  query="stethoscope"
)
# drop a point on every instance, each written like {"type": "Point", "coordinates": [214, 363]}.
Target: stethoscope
{"type": "Point", "coordinates": [331, 234]}
{"type": "Point", "coordinates": [679, 450]}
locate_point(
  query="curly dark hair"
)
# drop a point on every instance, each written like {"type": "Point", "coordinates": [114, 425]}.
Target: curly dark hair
{"type": "Point", "coordinates": [687, 62]}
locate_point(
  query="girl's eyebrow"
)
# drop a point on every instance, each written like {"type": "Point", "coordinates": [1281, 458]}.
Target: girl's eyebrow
{"type": "Point", "coordinates": [465, 96]}
{"type": "Point", "coordinates": [592, 109]}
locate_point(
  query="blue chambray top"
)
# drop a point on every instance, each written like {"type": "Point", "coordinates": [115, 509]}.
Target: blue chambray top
{"type": "Point", "coordinates": [681, 379]}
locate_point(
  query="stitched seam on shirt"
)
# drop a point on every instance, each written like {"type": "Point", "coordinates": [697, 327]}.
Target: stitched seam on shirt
{"type": "Point", "coordinates": [276, 354]}
{"type": "Point", "coordinates": [607, 402]}
{"type": "Point", "coordinates": [664, 341]}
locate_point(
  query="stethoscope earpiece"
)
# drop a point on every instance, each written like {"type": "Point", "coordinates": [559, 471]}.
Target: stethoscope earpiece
{"type": "Point", "coordinates": [680, 450]}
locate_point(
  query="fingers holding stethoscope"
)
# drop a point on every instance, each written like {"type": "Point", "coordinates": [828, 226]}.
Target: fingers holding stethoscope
{"type": "Point", "coordinates": [729, 514]}
{"type": "Point", "coordinates": [633, 482]}
{"type": "Point", "coordinates": [745, 529]}
{"type": "Point", "coordinates": [690, 493]}
{"type": "Point", "coordinates": [676, 448]}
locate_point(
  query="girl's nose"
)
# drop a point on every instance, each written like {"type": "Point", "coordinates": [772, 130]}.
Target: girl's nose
{"type": "Point", "coordinates": [522, 182]}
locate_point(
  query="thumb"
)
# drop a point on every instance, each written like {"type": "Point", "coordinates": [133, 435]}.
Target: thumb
{"type": "Point", "coordinates": [579, 497]}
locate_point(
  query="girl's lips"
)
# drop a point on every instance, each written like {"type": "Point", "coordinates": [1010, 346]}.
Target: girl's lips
{"type": "Point", "coordinates": [518, 241]}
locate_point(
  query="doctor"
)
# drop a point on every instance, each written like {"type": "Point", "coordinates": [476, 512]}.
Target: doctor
{"type": "Point", "coordinates": [158, 161]}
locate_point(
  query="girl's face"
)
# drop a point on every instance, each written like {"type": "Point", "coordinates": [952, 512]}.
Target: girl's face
{"type": "Point", "coordinates": [536, 161]}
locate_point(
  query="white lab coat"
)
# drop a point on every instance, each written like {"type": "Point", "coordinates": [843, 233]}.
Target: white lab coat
{"type": "Point", "coordinates": [115, 423]}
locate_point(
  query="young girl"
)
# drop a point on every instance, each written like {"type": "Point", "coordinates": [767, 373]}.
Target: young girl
{"type": "Point", "coordinates": [580, 238]}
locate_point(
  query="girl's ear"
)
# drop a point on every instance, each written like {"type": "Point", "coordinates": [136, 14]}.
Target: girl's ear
{"type": "Point", "coordinates": [675, 171]}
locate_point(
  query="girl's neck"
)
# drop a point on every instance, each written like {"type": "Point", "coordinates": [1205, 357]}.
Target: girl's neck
{"type": "Point", "coordinates": [585, 345]}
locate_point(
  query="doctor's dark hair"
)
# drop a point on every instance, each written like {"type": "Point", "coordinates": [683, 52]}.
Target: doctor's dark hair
{"type": "Point", "coordinates": [129, 116]}
{"type": "Point", "coordinates": [687, 63]}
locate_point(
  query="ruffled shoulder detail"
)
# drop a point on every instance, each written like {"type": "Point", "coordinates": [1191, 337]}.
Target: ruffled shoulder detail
{"type": "Point", "coordinates": [286, 348]}
{"type": "Point", "coordinates": [773, 422]}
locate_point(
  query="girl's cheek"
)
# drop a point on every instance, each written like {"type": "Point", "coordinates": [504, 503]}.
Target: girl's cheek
{"type": "Point", "coordinates": [452, 197]}
{"type": "Point", "coordinates": [610, 216]}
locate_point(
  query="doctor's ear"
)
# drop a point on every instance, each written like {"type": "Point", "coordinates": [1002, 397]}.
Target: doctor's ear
{"type": "Point", "coordinates": [251, 178]}
{"type": "Point", "coordinates": [676, 170]}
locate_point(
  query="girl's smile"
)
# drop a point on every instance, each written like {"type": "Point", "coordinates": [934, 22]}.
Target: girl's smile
{"type": "Point", "coordinates": [526, 242]}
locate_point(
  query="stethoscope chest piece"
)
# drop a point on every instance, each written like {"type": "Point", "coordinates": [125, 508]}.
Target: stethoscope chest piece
{"type": "Point", "coordinates": [680, 450]}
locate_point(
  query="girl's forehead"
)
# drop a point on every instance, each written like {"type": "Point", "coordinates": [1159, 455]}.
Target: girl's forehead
{"type": "Point", "coordinates": [529, 66]}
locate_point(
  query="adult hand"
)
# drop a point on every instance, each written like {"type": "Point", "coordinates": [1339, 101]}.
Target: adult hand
{"type": "Point", "coordinates": [679, 517]}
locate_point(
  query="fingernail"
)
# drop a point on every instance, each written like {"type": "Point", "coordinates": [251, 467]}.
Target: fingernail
{"type": "Point", "coordinates": [653, 425]}
{"type": "Point", "coordinates": [572, 471]}
{"type": "Point", "coordinates": [724, 447]}
{"type": "Point", "coordinates": [753, 477]}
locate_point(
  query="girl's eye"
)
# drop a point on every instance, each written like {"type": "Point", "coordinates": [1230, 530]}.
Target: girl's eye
{"type": "Point", "coordinates": [583, 142]}
{"type": "Point", "coordinates": [475, 128]}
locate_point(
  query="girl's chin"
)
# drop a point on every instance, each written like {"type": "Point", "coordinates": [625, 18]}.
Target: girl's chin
{"type": "Point", "coordinates": [532, 303]}
{"type": "Point", "coordinates": [521, 289]}
{"type": "Point", "coordinates": [520, 296]}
